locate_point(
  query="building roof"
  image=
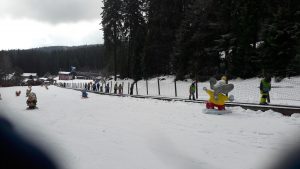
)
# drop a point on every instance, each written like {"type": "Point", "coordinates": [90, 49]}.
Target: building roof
{"type": "Point", "coordinates": [29, 74]}
{"type": "Point", "coordinates": [64, 73]}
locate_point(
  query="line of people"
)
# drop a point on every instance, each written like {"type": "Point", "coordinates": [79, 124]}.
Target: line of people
{"type": "Point", "coordinates": [118, 89]}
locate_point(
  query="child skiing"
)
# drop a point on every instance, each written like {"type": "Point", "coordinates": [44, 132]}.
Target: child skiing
{"type": "Point", "coordinates": [84, 94]}
{"type": "Point", "coordinates": [28, 91]}
{"type": "Point", "coordinates": [120, 88]}
{"type": "Point", "coordinates": [115, 88]}
{"type": "Point", "coordinates": [107, 88]}
{"type": "Point", "coordinates": [192, 91]}
{"type": "Point", "coordinates": [265, 87]}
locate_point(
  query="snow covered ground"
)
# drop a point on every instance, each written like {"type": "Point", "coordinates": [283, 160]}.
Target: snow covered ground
{"type": "Point", "coordinates": [287, 92]}
{"type": "Point", "coordinates": [128, 133]}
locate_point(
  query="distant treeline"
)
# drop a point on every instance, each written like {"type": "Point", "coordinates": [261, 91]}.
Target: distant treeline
{"type": "Point", "coordinates": [194, 38]}
{"type": "Point", "coordinates": [53, 59]}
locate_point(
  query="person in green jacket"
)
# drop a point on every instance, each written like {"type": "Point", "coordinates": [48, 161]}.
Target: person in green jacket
{"type": "Point", "coordinates": [192, 91]}
{"type": "Point", "coordinates": [265, 87]}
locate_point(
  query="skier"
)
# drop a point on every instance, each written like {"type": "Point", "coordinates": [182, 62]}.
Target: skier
{"type": "Point", "coordinates": [0, 97]}
{"type": "Point", "coordinates": [101, 88]}
{"type": "Point", "coordinates": [84, 94]}
{"type": "Point", "coordinates": [94, 87]}
{"type": "Point", "coordinates": [265, 87]}
{"type": "Point", "coordinates": [98, 87]}
{"type": "Point", "coordinates": [107, 88]}
{"type": "Point", "coordinates": [120, 89]}
{"type": "Point", "coordinates": [131, 88]}
{"type": "Point", "coordinates": [192, 91]}
{"type": "Point", "coordinates": [115, 88]}
{"type": "Point", "coordinates": [89, 86]}
{"type": "Point", "coordinates": [28, 91]}
{"type": "Point", "coordinates": [31, 101]}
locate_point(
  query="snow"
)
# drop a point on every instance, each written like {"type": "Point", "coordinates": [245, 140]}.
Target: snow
{"type": "Point", "coordinates": [29, 74]}
{"type": "Point", "coordinates": [8, 76]}
{"type": "Point", "coordinates": [129, 133]}
{"type": "Point", "coordinates": [64, 73]}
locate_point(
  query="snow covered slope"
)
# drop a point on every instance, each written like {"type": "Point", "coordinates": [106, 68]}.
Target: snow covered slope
{"type": "Point", "coordinates": [127, 133]}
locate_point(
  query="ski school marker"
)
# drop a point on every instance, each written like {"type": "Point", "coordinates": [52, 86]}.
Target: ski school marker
{"type": "Point", "coordinates": [216, 112]}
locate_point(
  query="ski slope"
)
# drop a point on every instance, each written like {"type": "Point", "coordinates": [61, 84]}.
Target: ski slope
{"type": "Point", "coordinates": [115, 132]}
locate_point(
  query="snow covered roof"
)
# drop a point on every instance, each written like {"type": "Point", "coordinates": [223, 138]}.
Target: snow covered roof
{"type": "Point", "coordinates": [64, 73]}
{"type": "Point", "coordinates": [29, 74]}
{"type": "Point", "coordinates": [8, 76]}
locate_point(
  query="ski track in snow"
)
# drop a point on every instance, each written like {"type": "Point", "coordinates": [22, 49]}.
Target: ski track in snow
{"type": "Point", "coordinates": [128, 133]}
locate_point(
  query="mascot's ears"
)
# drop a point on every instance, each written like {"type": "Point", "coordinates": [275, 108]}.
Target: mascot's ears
{"type": "Point", "coordinates": [212, 82]}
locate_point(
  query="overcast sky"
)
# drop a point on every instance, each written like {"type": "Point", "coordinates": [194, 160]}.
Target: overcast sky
{"type": "Point", "coordinates": [36, 23]}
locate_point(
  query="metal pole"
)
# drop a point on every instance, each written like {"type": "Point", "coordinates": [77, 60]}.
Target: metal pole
{"type": "Point", "coordinates": [128, 87]}
{"type": "Point", "coordinates": [147, 86]}
{"type": "Point", "coordinates": [137, 91]}
{"type": "Point", "coordinates": [158, 86]}
{"type": "Point", "coordinates": [196, 89]}
{"type": "Point", "coordinates": [122, 88]}
{"type": "Point", "coordinates": [175, 88]}
{"type": "Point", "coordinates": [111, 87]}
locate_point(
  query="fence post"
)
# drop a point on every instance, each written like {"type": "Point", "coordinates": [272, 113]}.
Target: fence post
{"type": "Point", "coordinates": [128, 87]}
{"type": "Point", "coordinates": [196, 89]}
{"type": "Point", "coordinates": [111, 89]}
{"type": "Point", "coordinates": [136, 86]}
{"type": "Point", "coordinates": [122, 87]}
{"type": "Point", "coordinates": [158, 86]}
{"type": "Point", "coordinates": [147, 86]}
{"type": "Point", "coordinates": [175, 88]}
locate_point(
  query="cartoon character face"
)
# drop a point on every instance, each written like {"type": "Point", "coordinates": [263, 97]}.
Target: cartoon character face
{"type": "Point", "coordinates": [220, 86]}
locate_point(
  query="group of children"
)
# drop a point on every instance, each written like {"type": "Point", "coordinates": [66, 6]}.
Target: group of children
{"type": "Point", "coordinates": [118, 89]}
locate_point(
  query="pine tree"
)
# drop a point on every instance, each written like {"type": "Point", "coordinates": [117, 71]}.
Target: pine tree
{"type": "Point", "coordinates": [112, 22]}
{"type": "Point", "coordinates": [281, 43]}
{"type": "Point", "coordinates": [163, 22]}
{"type": "Point", "coordinates": [196, 52]}
{"type": "Point", "coordinates": [246, 20]}
{"type": "Point", "coordinates": [135, 32]}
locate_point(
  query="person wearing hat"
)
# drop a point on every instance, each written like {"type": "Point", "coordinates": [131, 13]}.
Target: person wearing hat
{"type": "Point", "coordinates": [265, 87]}
{"type": "Point", "coordinates": [192, 91]}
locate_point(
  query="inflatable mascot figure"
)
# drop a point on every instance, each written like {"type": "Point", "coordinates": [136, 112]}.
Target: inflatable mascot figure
{"type": "Point", "coordinates": [31, 101]}
{"type": "Point", "coordinates": [18, 93]}
{"type": "Point", "coordinates": [218, 96]}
